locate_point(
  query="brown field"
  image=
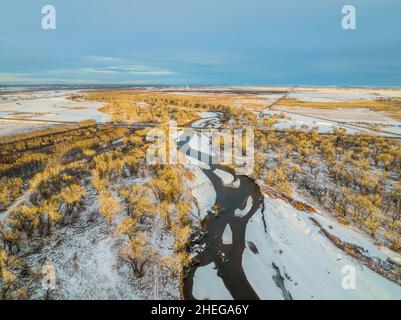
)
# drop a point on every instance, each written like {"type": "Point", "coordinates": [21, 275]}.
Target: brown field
{"type": "Point", "coordinates": [159, 106]}
{"type": "Point", "coordinates": [391, 106]}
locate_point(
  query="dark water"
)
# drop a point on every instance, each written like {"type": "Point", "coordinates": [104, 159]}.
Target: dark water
{"type": "Point", "coordinates": [227, 258]}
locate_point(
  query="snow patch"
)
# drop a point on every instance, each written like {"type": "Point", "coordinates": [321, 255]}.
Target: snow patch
{"type": "Point", "coordinates": [203, 191]}
{"type": "Point", "coordinates": [208, 286]}
{"type": "Point", "coordinates": [226, 177]}
{"type": "Point", "coordinates": [201, 143]}
{"type": "Point", "coordinates": [310, 264]}
{"type": "Point", "coordinates": [227, 236]}
{"type": "Point", "coordinates": [241, 213]}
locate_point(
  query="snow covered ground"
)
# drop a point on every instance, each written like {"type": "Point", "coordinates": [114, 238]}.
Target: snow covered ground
{"type": "Point", "coordinates": [209, 118]}
{"type": "Point", "coordinates": [8, 128]}
{"type": "Point", "coordinates": [293, 259]}
{"type": "Point", "coordinates": [243, 212]}
{"type": "Point", "coordinates": [203, 191]}
{"type": "Point", "coordinates": [225, 177]}
{"type": "Point", "coordinates": [328, 119]}
{"type": "Point", "coordinates": [88, 265]}
{"type": "Point", "coordinates": [227, 237]}
{"type": "Point", "coordinates": [52, 108]}
{"type": "Point", "coordinates": [312, 267]}
{"type": "Point", "coordinates": [357, 115]}
{"type": "Point", "coordinates": [328, 94]}
{"type": "Point", "coordinates": [45, 105]}
{"type": "Point", "coordinates": [207, 285]}
{"type": "Point", "coordinates": [327, 123]}
{"type": "Point", "coordinates": [299, 121]}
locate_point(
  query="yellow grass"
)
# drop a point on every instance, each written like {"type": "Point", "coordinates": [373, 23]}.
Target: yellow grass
{"type": "Point", "coordinates": [245, 100]}
{"type": "Point", "coordinates": [159, 106]}
{"type": "Point", "coordinates": [391, 107]}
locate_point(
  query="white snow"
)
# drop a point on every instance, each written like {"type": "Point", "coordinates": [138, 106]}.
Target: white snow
{"type": "Point", "coordinates": [8, 128]}
{"type": "Point", "coordinates": [226, 177]}
{"type": "Point", "coordinates": [356, 237]}
{"type": "Point", "coordinates": [86, 263]}
{"type": "Point", "coordinates": [190, 161]}
{"type": "Point", "coordinates": [208, 286]}
{"type": "Point", "coordinates": [259, 275]}
{"type": "Point", "coordinates": [236, 184]}
{"type": "Point", "coordinates": [207, 114]}
{"type": "Point", "coordinates": [210, 118]}
{"type": "Point", "coordinates": [311, 265]}
{"type": "Point", "coordinates": [352, 119]}
{"type": "Point", "coordinates": [201, 143]}
{"type": "Point", "coordinates": [203, 191]}
{"type": "Point", "coordinates": [227, 236]}
{"type": "Point", "coordinates": [322, 94]}
{"type": "Point", "coordinates": [298, 121]}
{"type": "Point", "coordinates": [55, 108]}
{"type": "Point", "coordinates": [240, 213]}
{"type": "Point", "coordinates": [45, 105]}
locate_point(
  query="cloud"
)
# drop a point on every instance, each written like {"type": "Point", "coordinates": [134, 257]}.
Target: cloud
{"type": "Point", "coordinates": [112, 66]}
{"type": "Point", "coordinates": [102, 59]}
{"type": "Point", "coordinates": [94, 69]}
{"type": "Point", "coordinates": [34, 79]}
{"type": "Point", "coordinates": [115, 70]}
{"type": "Point", "coordinates": [13, 77]}
{"type": "Point", "coordinates": [20, 78]}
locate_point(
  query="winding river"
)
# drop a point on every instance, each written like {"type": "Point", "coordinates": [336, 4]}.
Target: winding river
{"type": "Point", "coordinates": [226, 257]}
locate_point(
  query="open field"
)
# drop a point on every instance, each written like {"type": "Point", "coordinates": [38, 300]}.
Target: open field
{"type": "Point", "coordinates": [49, 105]}
{"type": "Point", "coordinates": [339, 94]}
{"type": "Point", "coordinates": [389, 106]}
{"type": "Point", "coordinates": [338, 114]}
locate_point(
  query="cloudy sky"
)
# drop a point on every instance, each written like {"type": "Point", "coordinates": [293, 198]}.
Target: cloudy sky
{"type": "Point", "coordinates": [272, 42]}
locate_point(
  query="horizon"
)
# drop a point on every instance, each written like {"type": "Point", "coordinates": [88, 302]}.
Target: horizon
{"type": "Point", "coordinates": [194, 86]}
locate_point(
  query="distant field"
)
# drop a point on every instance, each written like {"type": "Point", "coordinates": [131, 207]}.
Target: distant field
{"type": "Point", "coordinates": [159, 106]}
{"type": "Point", "coordinates": [391, 107]}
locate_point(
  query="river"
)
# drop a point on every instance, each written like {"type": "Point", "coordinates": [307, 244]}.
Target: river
{"type": "Point", "coordinates": [226, 257]}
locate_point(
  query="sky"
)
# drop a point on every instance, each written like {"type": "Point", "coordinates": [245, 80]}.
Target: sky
{"type": "Point", "coordinates": [201, 42]}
